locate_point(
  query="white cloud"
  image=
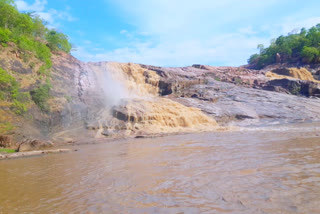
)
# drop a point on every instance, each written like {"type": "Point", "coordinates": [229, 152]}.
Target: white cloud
{"type": "Point", "coordinates": [38, 5]}
{"type": "Point", "coordinates": [292, 23]}
{"type": "Point", "coordinates": [52, 16]}
{"type": "Point", "coordinates": [182, 18]}
{"type": "Point", "coordinates": [183, 32]}
{"type": "Point", "coordinates": [227, 49]}
{"type": "Point", "coordinates": [179, 33]}
{"type": "Point", "coordinates": [123, 31]}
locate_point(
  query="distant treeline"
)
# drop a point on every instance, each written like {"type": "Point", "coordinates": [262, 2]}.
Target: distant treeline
{"type": "Point", "coordinates": [303, 46]}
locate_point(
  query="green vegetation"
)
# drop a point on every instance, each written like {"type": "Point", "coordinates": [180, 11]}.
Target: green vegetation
{"type": "Point", "coordinates": [303, 46]}
{"type": "Point", "coordinates": [58, 41]}
{"type": "Point", "coordinates": [29, 32]}
{"type": "Point", "coordinates": [41, 95]}
{"type": "Point", "coordinates": [9, 87]}
{"type": "Point", "coordinates": [7, 150]}
{"type": "Point", "coordinates": [18, 107]}
{"type": "Point", "coordinates": [32, 39]}
{"type": "Point", "coordinates": [9, 91]}
{"type": "Point", "coordinates": [6, 127]}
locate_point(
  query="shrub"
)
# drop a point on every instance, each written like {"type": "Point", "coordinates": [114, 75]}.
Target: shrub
{"type": "Point", "coordinates": [42, 52]}
{"type": "Point", "coordinates": [8, 85]}
{"type": "Point", "coordinates": [6, 127]}
{"type": "Point", "coordinates": [32, 64]}
{"type": "Point", "coordinates": [43, 70]}
{"type": "Point", "coordinates": [18, 108]}
{"type": "Point", "coordinates": [309, 54]}
{"type": "Point", "coordinates": [4, 35]}
{"type": "Point", "coordinates": [23, 97]}
{"type": "Point", "coordinates": [9, 90]}
{"type": "Point", "coordinates": [41, 95]}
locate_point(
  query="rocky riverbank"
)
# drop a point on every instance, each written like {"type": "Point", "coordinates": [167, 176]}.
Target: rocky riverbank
{"type": "Point", "coordinates": [109, 100]}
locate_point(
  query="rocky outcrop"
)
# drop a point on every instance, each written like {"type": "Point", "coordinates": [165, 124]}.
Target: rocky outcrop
{"type": "Point", "coordinates": [32, 144]}
{"type": "Point", "coordinates": [108, 99]}
{"type": "Point", "coordinates": [296, 87]}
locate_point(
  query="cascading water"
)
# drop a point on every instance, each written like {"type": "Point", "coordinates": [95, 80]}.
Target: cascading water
{"type": "Point", "coordinates": [133, 104]}
{"type": "Point", "coordinates": [291, 73]}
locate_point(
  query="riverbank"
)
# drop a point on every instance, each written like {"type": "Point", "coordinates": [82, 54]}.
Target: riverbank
{"type": "Point", "coordinates": [33, 153]}
{"type": "Point", "coordinates": [309, 129]}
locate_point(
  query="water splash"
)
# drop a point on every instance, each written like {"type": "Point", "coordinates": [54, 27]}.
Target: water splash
{"type": "Point", "coordinates": [132, 92]}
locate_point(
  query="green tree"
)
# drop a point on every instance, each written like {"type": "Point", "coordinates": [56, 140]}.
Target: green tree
{"type": "Point", "coordinates": [310, 54]}
{"type": "Point", "coordinates": [58, 41]}
{"type": "Point", "coordinates": [297, 46]}
{"type": "Point", "coordinates": [39, 29]}
{"type": "Point", "coordinates": [8, 14]}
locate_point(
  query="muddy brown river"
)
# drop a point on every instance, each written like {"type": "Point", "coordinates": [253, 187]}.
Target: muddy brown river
{"type": "Point", "coordinates": [267, 170]}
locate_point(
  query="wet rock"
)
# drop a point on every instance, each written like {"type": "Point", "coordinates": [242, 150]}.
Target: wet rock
{"type": "Point", "coordinates": [165, 88]}
{"type": "Point", "coordinates": [296, 87]}
{"type": "Point", "coordinates": [32, 144]}
{"type": "Point", "coordinates": [108, 132]}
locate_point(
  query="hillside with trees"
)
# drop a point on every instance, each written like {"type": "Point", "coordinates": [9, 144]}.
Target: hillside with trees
{"type": "Point", "coordinates": [26, 35]}
{"type": "Point", "coordinates": [297, 47]}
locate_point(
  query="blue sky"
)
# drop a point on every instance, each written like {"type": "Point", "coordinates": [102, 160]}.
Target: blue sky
{"type": "Point", "coordinates": [173, 32]}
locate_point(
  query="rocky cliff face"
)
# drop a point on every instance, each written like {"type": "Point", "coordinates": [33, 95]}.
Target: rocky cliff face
{"type": "Point", "coordinates": [107, 99]}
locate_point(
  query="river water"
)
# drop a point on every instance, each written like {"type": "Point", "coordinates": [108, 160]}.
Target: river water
{"type": "Point", "coordinates": [269, 170]}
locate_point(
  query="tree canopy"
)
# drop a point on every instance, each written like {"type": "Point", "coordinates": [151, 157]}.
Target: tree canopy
{"type": "Point", "coordinates": [303, 46]}
{"type": "Point", "coordinates": [28, 26]}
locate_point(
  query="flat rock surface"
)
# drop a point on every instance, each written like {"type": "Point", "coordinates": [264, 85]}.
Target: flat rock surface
{"type": "Point", "coordinates": [228, 102]}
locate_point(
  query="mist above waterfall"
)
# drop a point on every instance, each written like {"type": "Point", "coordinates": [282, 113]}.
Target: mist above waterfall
{"type": "Point", "coordinates": [111, 83]}
{"type": "Point", "coordinates": [123, 81]}
{"type": "Point", "coordinates": [113, 90]}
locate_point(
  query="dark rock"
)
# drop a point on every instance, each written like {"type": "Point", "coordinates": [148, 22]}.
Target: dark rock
{"type": "Point", "coordinates": [108, 132]}
{"type": "Point", "coordinates": [165, 88]}
{"type": "Point", "coordinates": [18, 67]}
{"type": "Point", "coordinates": [196, 65]}
{"type": "Point", "coordinates": [120, 113]}
{"type": "Point", "coordinates": [140, 136]}
{"type": "Point", "coordinates": [296, 87]}
{"type": "Point", "coordinates": [199, 66]}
